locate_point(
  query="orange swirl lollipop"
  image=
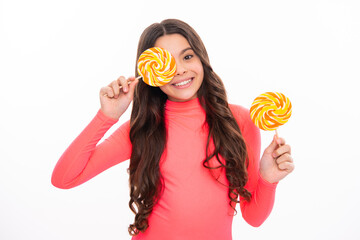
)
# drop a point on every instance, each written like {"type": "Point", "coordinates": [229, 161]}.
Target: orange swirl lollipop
{"type": "Point", "coordinates": [270, 110]}
{"type": "Point", "coordinates": [156, 66]}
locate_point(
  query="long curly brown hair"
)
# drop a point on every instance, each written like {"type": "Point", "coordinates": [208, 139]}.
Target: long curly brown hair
{"type": "Point", "coordinates": [148, 133]}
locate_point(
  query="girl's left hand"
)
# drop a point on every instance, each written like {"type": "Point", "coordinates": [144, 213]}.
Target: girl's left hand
{"type": "Point", "coordinates": [276, 162]}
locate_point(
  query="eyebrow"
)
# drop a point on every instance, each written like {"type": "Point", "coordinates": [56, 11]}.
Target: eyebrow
{"type": "Point", "coordinates": [183, 51]}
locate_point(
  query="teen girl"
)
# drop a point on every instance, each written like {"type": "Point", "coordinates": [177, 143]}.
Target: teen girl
{"type": "Point", "coordinates": [192, 155]}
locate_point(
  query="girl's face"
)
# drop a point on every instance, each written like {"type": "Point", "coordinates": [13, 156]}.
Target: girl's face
{"type": "Point", "coordinates": [189, 71]}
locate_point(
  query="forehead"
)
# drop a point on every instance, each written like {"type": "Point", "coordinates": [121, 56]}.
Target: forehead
{"type": "Point", "coordinates": [174, 43]}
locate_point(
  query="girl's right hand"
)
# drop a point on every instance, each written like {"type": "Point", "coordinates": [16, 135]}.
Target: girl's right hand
{"type": "Point", "coordinates": [113, 100]}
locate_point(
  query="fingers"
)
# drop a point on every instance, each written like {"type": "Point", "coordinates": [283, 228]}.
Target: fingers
{"type": "Point", "coordinates": [121, 82]}
{"type": "Point", "coordinates": [107, 91]}
{"type": "Point", "coordinates": [284, 159]}
{"type": "Point", "coordinates": [280, 141]}
{"type": "Point", "coordinates": [281, 150]}
{"type": "Point", "coordinates": [114, 89]}
{"type": "Point", "coordinates": [281, 153]}
{"type": "Point", "coordinates": [287, 166]}
{"type": "Point", "coordinates": [133, 82]}
{"type": "Point", "coordinates": [271, 148]}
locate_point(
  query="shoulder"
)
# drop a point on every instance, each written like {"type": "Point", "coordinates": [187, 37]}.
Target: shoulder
{"type": "Point", "coordinates": [242, 117]}
{"type": "Point", "coordinates": [238, 109]}
{"type": "Point", "coordinates": [241, 114]}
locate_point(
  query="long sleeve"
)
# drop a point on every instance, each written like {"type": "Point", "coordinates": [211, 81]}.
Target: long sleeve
{"type": "Point", "coordinates": [259, 208]}
{"type": "Point", "coordinates": [85, 158]}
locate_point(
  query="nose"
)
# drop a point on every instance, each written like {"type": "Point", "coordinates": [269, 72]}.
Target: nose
{"type": "Point", "coordinates": [180, 69]}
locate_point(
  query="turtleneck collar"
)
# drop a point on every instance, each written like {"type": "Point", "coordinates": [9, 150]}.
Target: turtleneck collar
{"type": "Point", "coordinates": [189, 114]}
{"type": "Point", "coordinates": [183, 107]}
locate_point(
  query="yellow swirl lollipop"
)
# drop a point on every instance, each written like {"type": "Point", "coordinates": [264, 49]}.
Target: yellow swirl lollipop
{"type": "Point", "coordinates": [156, 66]}
{"type": "Point", "coordinates": [270, 110]}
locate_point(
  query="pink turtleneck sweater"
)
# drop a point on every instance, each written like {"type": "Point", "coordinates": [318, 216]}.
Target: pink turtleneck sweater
{"type": "Point", "coordinates": [194, 205]}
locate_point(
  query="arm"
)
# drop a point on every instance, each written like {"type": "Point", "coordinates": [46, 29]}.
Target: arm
{"type": "Point", "coordinates": [84, 159]}
{"type": "Point", "coordinates": [259, 208]}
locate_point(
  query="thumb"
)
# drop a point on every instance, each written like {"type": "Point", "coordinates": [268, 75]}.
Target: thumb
{"type": "Point", "coordinates": [273, 145]}
{"type": "Point", "coordinates": [132, 85]}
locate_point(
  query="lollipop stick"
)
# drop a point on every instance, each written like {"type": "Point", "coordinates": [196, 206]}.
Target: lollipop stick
{"type": "Point", "coordinates": [120, 87]}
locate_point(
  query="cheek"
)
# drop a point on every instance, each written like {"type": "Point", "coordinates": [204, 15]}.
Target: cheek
{"type": "Point", "coordinates": [164, 89]}
{"type": "Point", "coordinates": [198, 67]}
{"type": "Point", "coordinates": [200, 70]}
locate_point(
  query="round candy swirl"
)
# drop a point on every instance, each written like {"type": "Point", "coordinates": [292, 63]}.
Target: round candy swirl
{"type": "Point", "coordinates": [156, 66]}
{"type": "Point", "coordinates": [270, 110]}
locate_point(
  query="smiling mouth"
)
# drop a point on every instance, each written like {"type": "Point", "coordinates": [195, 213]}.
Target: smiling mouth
{"type": "Point", "coordinates": [183, 82]}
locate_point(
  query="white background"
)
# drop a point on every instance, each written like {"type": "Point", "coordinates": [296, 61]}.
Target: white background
{"type": "Point", "coordinates": [56, 55]}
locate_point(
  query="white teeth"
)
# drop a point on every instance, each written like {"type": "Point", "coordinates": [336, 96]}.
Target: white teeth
{"type": "Point", "coordinates": [183, 83]}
